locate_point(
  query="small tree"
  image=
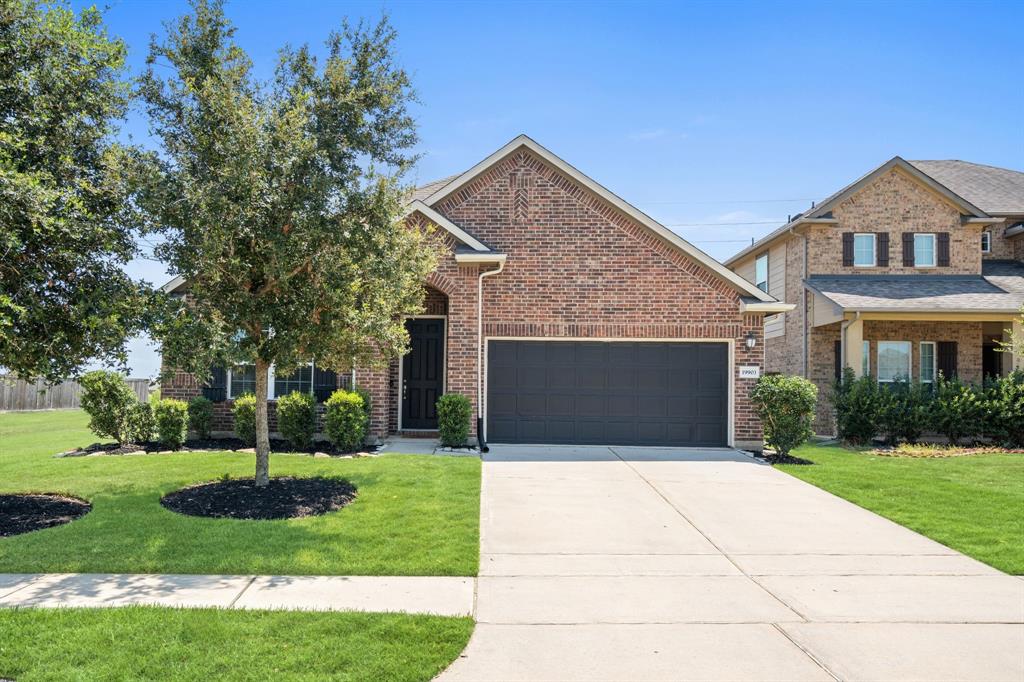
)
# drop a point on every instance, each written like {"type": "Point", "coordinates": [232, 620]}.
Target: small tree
{"type": "Point", "coordinates": [279, 203]}
{"type": "Point", "coordinates": [1015, 344]}
{"type": "Point", "coordinates": [785, 405]}
{"type": "Point", "coordinates": [109, 402]}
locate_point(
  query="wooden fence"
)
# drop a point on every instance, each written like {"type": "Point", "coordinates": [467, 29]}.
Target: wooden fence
{"type": "Point", "coordinates": [16, 394]}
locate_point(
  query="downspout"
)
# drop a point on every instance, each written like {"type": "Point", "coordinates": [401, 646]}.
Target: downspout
{"type": "Point", "coordinates": [480, 353]}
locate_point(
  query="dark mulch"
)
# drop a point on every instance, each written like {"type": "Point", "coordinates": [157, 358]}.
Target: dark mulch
{"type": "Point", "coordinates": [284, 498]}
{"type": "Point", "coordinates": [217, 444]}
{"type": "Point", "coordinates": [24, 513]}
{"type": "Point", "coordinates": [772, 458]}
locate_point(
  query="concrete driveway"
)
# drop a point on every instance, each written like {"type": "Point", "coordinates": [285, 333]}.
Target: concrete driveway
{"type": "Point", "coordinates": [652, 564]}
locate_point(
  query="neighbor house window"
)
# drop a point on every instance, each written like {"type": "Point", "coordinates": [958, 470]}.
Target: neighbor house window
{"type": "Point", "coordinates": [986, 242]}
{"type": "Point", "coordinates": [242, 379]}
{"type": "Point", "coordinates": [865, 360]}
{"type": "Point", "coordinates": [893, 360]}
{"type": "Point", "coordinates": [928, 367]}
{"type": "Point", "coordinates": [864, 250]}
{"type": "Point", "coordinates": [761, 272]}
{"type": "Point", "coordinates": [924, 250]}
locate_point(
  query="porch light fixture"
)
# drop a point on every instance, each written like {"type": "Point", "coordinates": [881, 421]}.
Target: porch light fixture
{"type": "Point", "coordinates": [751, 340]}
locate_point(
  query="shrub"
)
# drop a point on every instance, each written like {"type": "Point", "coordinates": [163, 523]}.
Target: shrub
{"type": "Point", "coordinates": [367, 404]}
{"type": "Point", "coordinates": [858, 405]}
{"type": "Point", "coordinates": [171, 417]}
{"type": "Point", "coordinates": [1006, 409]}
{"type": "Point", "coordinates": [139, 424]}
{"type": "Point", "coordinates": [786, 407]}
{"type": "Point", "coordinates": [108, 401]}
{"type": "Point", "coordinates": [904, 410]}
{"type": "Point", "coordinates": [244, 411]}
{"type": "Point", "coordinates": [453, 414]}
{"type": "Point", "coordinates": [958, 410]}
{"type": "Point", "coordinates": [296, 419]}
{"type": "Point", "coordinates": [200, 416]}
{"type": "Point", "coordinates": [345, 419]}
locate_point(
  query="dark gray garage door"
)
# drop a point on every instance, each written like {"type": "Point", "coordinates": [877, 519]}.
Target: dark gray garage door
{"type": "Point", "coordinates": [613, 393]}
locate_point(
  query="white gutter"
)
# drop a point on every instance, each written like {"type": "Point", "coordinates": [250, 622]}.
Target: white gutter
{"type": "Point", "coordinates": [480, 343]}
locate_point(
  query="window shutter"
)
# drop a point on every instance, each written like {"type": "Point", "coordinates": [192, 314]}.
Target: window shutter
{"type": "Point", "coordinates": [946, 361]}
{"type": "Point", "coordinates": [942, 249]}
{"type": "Point", "coordinates": [325, 382]}
{"type": "Point", "coordinates": [217, 388]}
{"type": "Point", "coordinates": [883, 249]}
{"type": "Point", "coordinates": [839, 360]}
{"type": "Point", "coordinates": [908, 249]}
{"type": "Point", "coordinates": [847, 249]}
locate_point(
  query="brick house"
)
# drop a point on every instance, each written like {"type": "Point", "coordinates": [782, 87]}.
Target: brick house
{"type": "Point", "coordinates": [916, 268]}
{"type": "Point", "coordinates": [564, 314]}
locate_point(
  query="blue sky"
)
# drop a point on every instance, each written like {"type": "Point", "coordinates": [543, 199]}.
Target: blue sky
{"type": "Point", "coordinates": [718, 119]}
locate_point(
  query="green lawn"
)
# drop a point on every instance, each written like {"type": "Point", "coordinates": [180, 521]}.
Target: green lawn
{"type": "Point", "coordinates": [973, 504]}
{"type": "Point", "coordinates": [147, 643]}
{"type": "Point", "coordinates": [414, 515]}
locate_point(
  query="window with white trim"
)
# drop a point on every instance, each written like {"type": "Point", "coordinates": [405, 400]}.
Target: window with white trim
{"type": "Point", "coordinates": [761, 272]}
{"type": "Point", "coordinates": [893, 361]}
{"type": "Point", "coordinates": [864, 250]}
{"type": "Point", "coordinates": [986, 241]}
{"type": "Point", "coordinates": [865, 360]}
{"type": "Point", "coordinates": [928, 362]}
{"type": "Point", "coordinates": [242, 379]}
{"type": "Point", "coordinates": [924, 250]}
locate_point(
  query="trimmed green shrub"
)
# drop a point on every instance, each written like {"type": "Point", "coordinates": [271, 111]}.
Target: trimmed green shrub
{"type": "Point", "coordinates": [905, 410]}
{"type": "Point", "coordinates": [1006, 409]}
{"type": "Point", "coordinates": [453, 414]}
{"type": "Point", "coordinates": [108, 401]}
{"type": "Point", "coordinates": [858, 406]}
{"type": "Point", "coordinates": [296, 419]}
{"type": "Point", "coordinates": [200, 416]}
{"type": "Point", "coordinates": [958, 411]}
{"type": "Point", "coordinates": [345, 419]}
{"type": "Point", "coordinates": [244, 411]}
{"type": "Point", "coordinates": [367, 404]}
{"type": "Point", "coordinates": [139, 424]}
{"type": "Point", "coordinates": [786, 407]}
{"type": "Point", "coordinates": [171, 417]}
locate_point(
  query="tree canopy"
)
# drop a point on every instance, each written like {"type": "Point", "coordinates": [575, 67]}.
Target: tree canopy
{"type": "Point", "coordinates": [65, 227]}
{"type": "Point", "coordinates": [278, 202]}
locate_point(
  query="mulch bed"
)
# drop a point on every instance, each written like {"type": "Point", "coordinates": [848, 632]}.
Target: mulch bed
{"type": "Point", "coordinates": [24, 513]}
{"type": "Point", "coordinates": [208, 445]}
{"type": "Point", "coordinates": [285, 498]}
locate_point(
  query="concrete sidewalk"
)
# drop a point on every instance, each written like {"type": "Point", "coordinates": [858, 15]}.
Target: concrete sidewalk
{"type": "Point", "coordinates": [441, 596]}
{"type": "Point", "coordinates": [658, 564]}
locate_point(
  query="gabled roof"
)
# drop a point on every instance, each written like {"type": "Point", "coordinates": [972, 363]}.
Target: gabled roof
{"type": "Point", "coordinates": [424, 191]}
{"type": "Point", "coordinates": [439, 220]}
{"type": "Point", "coordinates": [995, 190]}
{"type": "Point", "coordinates": [523, 141]}
{"type": "Point", "coordinates": [822, 212]}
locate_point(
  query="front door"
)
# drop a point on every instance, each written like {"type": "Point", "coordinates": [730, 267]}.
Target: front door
{"type": "Point", "coordinates": [422, 373]}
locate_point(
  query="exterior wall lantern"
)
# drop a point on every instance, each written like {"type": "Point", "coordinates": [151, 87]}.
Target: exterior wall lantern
{"type": "Point", "coordinates": [751, 340]}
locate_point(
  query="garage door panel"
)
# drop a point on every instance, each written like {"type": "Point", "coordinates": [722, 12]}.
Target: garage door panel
{"type": "Point", "coordinates": [615, 393]}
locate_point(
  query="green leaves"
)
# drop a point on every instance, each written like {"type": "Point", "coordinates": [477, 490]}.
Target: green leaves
{"type": "Point", "coordinates": [786, 406]}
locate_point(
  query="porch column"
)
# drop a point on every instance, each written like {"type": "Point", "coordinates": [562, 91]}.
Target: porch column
{"type": "Point", "coordinates": [853, 347]}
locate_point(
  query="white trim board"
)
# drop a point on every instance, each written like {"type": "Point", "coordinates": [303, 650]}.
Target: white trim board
{"type": "Point", "coordinates": [730, 344]}
{"type": "Point", "coordinates": [442, 222]}
{"type": "Point", "coordinates": [636, 214]}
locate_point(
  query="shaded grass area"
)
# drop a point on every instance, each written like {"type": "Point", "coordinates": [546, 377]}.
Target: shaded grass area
{"type": "Point", "coordinates": [150, 643]}
{"type": "Point", "coordinates": [972, 504]}
{"type": "Point", "coordinates": [413, 515]}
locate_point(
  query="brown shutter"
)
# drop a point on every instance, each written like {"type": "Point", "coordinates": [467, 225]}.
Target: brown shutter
{"type": "Point", "coordinates": [942, 249]}
{"type": "Point", "coordinates": [883, 249]}
{"type": "Point", "coordinates": [946, 360]}
{"type": "Point", "coordinates": [839, 360]}
{"type": "Point", "coordinates": [847, 249]}
{"type": "Point", "coordinates": [908, 249]}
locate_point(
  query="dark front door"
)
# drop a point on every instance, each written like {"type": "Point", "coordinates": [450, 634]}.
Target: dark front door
{"type": "Point", "coordinates": [608, 393]}
{"type": "Point", "coordinates": [991, 361]}
{"type": "Point", "coordinates": [422, 373]}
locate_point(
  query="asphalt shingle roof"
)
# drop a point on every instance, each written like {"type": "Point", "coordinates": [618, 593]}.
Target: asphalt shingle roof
{"type": "Point", "coordinates": [1000, 288]}
{"type": "Point", "coordinates": [993, 190]}
{"type": "Point", "coordinates": [424, 191]}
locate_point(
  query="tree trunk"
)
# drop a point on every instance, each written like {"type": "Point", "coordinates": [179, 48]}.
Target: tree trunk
{"type": "Point", "coordinates": [262, 425]}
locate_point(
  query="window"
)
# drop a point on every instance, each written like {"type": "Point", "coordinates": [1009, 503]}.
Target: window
{"type": "Point", "coordinates": [928, 367]}
{"type": "Point", "coordinates": [865, 360]}
{"type": "Point", "coordinates": [864, 250]}
{"type": "Point", "coordinates": [924, 250]}
{"type": "Point", "coordinates": [986, 242]}
{"type": "Point", "coordinates": [893, 360]}
{"type": "Point", "coordinates": [300, 380]}
{"type": "Point", "coordinates": [241, 379]}
{"type": "Point", "coordinates": [761, 272]}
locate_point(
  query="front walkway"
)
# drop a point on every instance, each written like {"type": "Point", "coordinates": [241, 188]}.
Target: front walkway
{"type": "Point", "coordinates": [408, 594]}
{"type": "Point", "coordinates": [629, 563]}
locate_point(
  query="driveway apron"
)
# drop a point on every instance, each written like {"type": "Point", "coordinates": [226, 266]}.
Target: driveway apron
{"type": "Point", "coordinates": [622, 563]}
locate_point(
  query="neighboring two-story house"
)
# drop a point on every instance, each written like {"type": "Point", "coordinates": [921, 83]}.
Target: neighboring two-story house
{"type": "Point", "coordinates": [915, 269]}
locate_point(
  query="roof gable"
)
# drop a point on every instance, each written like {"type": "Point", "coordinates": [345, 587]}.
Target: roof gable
{"type": "Point", "coordinates": [607, 196]}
